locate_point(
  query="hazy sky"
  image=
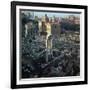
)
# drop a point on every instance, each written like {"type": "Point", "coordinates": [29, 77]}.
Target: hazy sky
{"type": "Point", "coordinates": [50, 14]}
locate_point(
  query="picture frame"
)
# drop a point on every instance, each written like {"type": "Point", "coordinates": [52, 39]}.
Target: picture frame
{"type": "Point", "coordinates": [22, 15]}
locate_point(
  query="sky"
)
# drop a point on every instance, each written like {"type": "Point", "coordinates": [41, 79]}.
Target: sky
{"type": "Point", "coordinates": [58, 14]}
{"type": "Point", "coordinates": [51, 14]}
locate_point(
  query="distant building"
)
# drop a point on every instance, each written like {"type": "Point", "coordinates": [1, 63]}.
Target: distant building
{"type": "Point", "coordinates": [40, 25]}
{"type": "Point", "coordinates": [49, 42]}
{"type": "Point", "coordinates": [74, 20]}
{"type": "Point", "coordinates": [71, 19]}
{"type": "Point", "coordinates": [36, 18]}
{"type": "Point", "coordinates": [48, 28]}
{"type": "Point", "coordinates": [36, 27]}
{"type": "Point", "coordinates": [55, 29]}
{"type": "Point", "coordinates": [29, 27]}
{"type": "Point", "coordinates": [77, 20]}
{"type": "Point", "coordinates": [43, 27]}
{"type": "Point", "coordinates": [43, 19]}
{"type": "Point", "coordinates": [46, 18]}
